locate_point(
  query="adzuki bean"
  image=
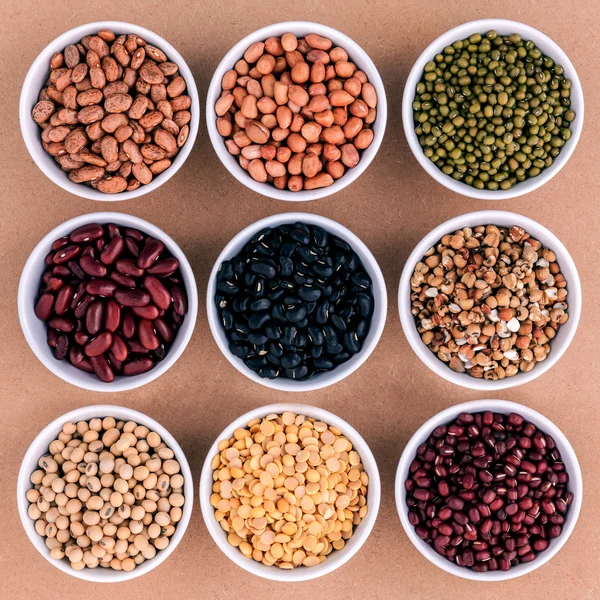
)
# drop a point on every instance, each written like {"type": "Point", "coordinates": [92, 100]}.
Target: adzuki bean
{"type": "Point", "coordinates": [488, 491]}
{"type": "Point", "coordinates": [296, 301]}
{"type": "Point", "coordinates": [106, 315]}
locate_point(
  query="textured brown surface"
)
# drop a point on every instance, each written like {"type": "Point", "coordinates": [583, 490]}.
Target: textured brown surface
{"type": "Point", "coordinates": [390, 207]}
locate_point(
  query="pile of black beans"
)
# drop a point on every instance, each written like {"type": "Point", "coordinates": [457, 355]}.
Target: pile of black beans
{"type": "Point", "coordinates": [296, 301]}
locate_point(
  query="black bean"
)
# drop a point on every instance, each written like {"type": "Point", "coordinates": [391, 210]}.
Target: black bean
{"type": "Point", "coordinates": [236, 336]}
{"type": "Point", "coordinates": [302, 323]}
{"type": "Point", "coordinates": [287, 249]}
{"type": "Point", "coordinates": [257, 362]}
{"type": "Point", "coordinates": [289, 360]}
{"type": "Point", "coordinates": [288, 335]}
{"type": "Point", "coordinates": [322, 312]}
{"type": "Point", "coordinates": [240, 305]}
{"type": "Point", "coordinates": [225, 271]}
{"type": "Point", "coordinates": [275, 349]}
{"type": "Point", "coordinates": [316, 351]}
{"type": "Point", "coordinates": [306, 254]}
{"type": "Point", "coordinates": [361, 279]}
{"type": "Point", "coordinates": [365, 304]}
{"type": "Point", "coordinates": [227, 287]}
{"type": "Point", "coordinates": [227, 319]}
{"type": "Point", "coordinates": [309, 293]}
{"type": "Point", "coordinates": [258, 319]}
{"type": "Point", "coordinates": [274, 360]}
{"type": "Point", "coordinates": [362, 329]}
{"type": "Point", "coordinates": [268, 372]}
{"type": "Point", "coordinates": [249, 278]}
{"type": "Point", "coordinates": [297, 373]}
{"type": "Point", "coordinates": [323, 363]}
{"type": "Point", "coordinates": [315, 335]}
{"type": "Point", "coordinates": [335, 349]}
{"type": "Point", "coordinates": [277, 313]}
{"type": "Point", "coordinates": [272, 331]}
{"type": "Point", "coordinates": [338, 323]}
{"type": "Point", "coordinates": [240, 350]}
{"type": "Point", "coordinates": [295, 314]}
{"type": "Point", "coordinates": [258, 339]}
{"type": "Point", "coordinates": [300, 236]}
{"type": "Point", "coordinates": [338, 359]}
{"type": "Point", "coordinates": [353, 263]}
{"type": "Point", "coordinates": [322, 270]}
{"type": "Point", "coordinates": [301, 339]}
{"type": "Point", "coordinates": [351, 343]}
{"type": "Point", "coordinates": [320, 236]}
{"type": "Point", "coordinates": [262, 304]}
{"type": "Point", "coordinates": [263, 269]}
{"type": "Point", "coordinates": [310, 307]}
{"type": "Point", "coordinates": [286, 266]}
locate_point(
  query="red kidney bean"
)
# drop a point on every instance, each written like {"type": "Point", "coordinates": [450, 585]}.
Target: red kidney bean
{"type": "Point", "coordinates": [44, 306]}
{"type": "Point", "coordinates": [499, 498]}
{"type": "Point", "coordinates": [138, 366]}
{"type": "Point", "coordinates": [101, 287]}
{"type": "Point", "coordinates": [102, 368]}
{"type": "Point", "coordinates": [159, 293]}
{"type": "Point", "coordinates": [128, 267]}
{"type": "Point", "coordinates": [112, 315]}
{"type": "Point", "coordinates": [164, 267]}
{"type": "Point", "coordinates": [63, 299]}
{"type": "Point", "coordinates": [149, 253]}
{"type": "Point", "coordinates": [94, 317]}
{"type": "Point", "coordinates": [179, 300]}
{"type": "Point", "coordinates": [146, 312]}
{"type": "Point", "coordinates": [132, 297]}
{"type": "Point", "coordinates": [106, 294]}
{"type": "Point", "coordinates": [99, 345]}
{"type": "Point", "coordinates": [86, 233]}
{"type": "Point", "coordinates": [118, 348]}
{"type": "Point", "coordinates": [92, 267]}
{"type": "Point", "coordinates": [112, 251]}
{"type": "Point", "coordinates": [122, 280]}
{"type": "Point", "coordinates": [147, 335]}
{"type": "Point", "coordinates": [66, 254]}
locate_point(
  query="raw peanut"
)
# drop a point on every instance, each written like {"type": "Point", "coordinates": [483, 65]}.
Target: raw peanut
{"type": "Point", "coordinates": [273, 46]}
{"type": "Point", "coordinates": [296, 143]}
{"type": "Point", "coordinates": [275, 168]}
{"type": "Point", "coordinates": [315, 55]}
{"type": "Point", "coordinates": [89, 97]}
{"type": "Point", "coordinates": [278, 134]}
{"type": "Point", "coordinates": [254, 88]}
{"type": "Point", "coordinates": [150, 73]}
{"type": "Point", "coordinates": [229, 80]}
{"type": "Point", "coordinates": [249, 108]}
{"type": "Point", "coordinates": [294, 165]}
{"type": "Point", "coordinates": [224, 104]}
{"type": "Point", "coordinates": [333, 135]}
{"type": "Point", "coordinates": [338, 54]}
{"type": "Point", "coordinates": [369, 95]}
{"type": "Point", "coordinates": [340, 98]}
{"type": "Point", "coordinates": [363, 139]}
{"type": "Point", "coordinates": [265, 64]}
{"type": "Point", "coordinates": [319, 42]}
{"type": "Point", "coordinates": [257, 171]}
{"type": "Point", "coordinates": [335, 168]}
{"type": "Point", "coordinates": [317, 72]}
{"type": "Point", "coordinates": [359, 109]}
{"type": "Point", "coordinates": [344, 69]}
{"type": "Point", "coordinates": [284, 116]}
{"type": "Point", "coordinates": [268, 151]}
{"type": "Point", "coordinates": [257, 132]}
{"type": "Point", "coordinates": [318, 181]}
{"type": "Point", "coordinates": [352, 127]}
{"type": "Point", "coordinates": [112, 185]}
{"type": "Point", "coordinates": [331, 152]}
{"type": "Point", "coordinates": [42, 111]}
{"type": "Point", "coordinates": [350, 156]}
{"type": "Point", "coordinates": [318, 103]}
{"type": "Point", "coordinates": [85, 174]}
{"type": "Point", "coordinates": [232, 147]}
{"type": "Point", "coordinates": [311, 165]}
{"type": "Point", "coordinates": [141, 172]}
{"type": "Point", "coordinates": [289, 42]}
{"type": "Point", "coordinates": [251, 152]}
{"type": "Point", "coordinates": [280, 92]}
{"type": "Point", "coordinates": [298, 95]}
{"type": "Point", "coordinates": [324, 118]}
{"type": "Point", "coordinates": [266, 105]}
{"type": "Point", "coordinates": [224, 127]}
{"type": "Point", "coordinates": [311, 131]}
{"type": "Point", "coordinates": [340, 115]}
{"type": "Point", "coordinates": [109, 148]}
{"type": "Point", "coordinates": [295, 183]}
{"type": "Point", "coordinates": [300, 72]}
{"type": "Point", "coordinates": [118, 103]}
{"type": "Point", "coordinates": [254, 52]}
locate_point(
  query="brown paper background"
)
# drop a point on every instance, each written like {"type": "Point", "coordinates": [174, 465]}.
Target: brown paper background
{"type": "Point", "coordinates": [391, 206]}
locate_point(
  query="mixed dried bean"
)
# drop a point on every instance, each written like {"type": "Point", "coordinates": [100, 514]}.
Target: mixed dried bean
{"type": "Point", "coordinates": [294, 302]}
{"type": "Point", "coordinates": [488, 491]}
{"type": "Point", "coordinates": [108, 494]}
{"type": "Point", "coordinates": [113, 112]}
{"type": "Point", "coordinates": [492, 111]}
{"type": "Point", "coordinates": [113, 298]}
{"type": "Point", "coordinates": [296, 112]}
{"type": "Point", "coordinates": [489, 300]}
{"type": "Point", "coordinates": [288, 490]}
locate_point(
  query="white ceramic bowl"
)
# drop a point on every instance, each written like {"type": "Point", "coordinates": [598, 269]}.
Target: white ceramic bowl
{"type": "Point", "coordinates": [499, 406]}
{"type": "Point", "coordinates": [564, 335]}
{"type": "Point", "coordinates": [320, 380]}
{"type": "Point", "coordinates": [34, 82]}
{"type": "Point", "coordinates": [300, 29]}
{"type": "Point", "coordinates": [39, 447]}
{"type": "Point", "coordinates": [35, 330]}
{"type": "Point", "coordinates": [503, 27]}
{"type": "Point", "coordinates": [338, 557]}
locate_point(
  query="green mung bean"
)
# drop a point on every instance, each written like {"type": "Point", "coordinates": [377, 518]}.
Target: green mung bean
{"type": "Point", "coordinates": [492, 111]}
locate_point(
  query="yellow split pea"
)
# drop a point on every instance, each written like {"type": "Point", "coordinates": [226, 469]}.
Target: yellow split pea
{"type": "Point", "coordinates": [288, 490]}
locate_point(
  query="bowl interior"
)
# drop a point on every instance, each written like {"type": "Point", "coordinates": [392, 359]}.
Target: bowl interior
{"type": "Point", "coordinates": [39, 446]}
{"type": "Point", "coordinates": [336, 558]}
{"type": "Point", "coordinates": [36, 78]}
{"type": "Point", "coordinates": [300, 29]}
{"type": "Point", "coordinates": [500, 406]}
{"type": "Point", "coordinates": [503, 27]}
{"type": "Point", "coordinates": [377, 320]}
{"type": "Point", "coordinates": [35, 330]}
{"type": "Point", "coordinates": [558, 345]}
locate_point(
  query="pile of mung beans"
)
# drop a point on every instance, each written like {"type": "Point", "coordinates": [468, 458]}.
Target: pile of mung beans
{"type": "Point", "coordinates": [489, 300]}
{"type": "Point", "coordinates": [288, 490]}
{"type": "Point", "coordinates": [108, 494]}
{"type": "Point", "coordinates": [488, 491]}
{"type": "Point", "coordinates": [492, 110]}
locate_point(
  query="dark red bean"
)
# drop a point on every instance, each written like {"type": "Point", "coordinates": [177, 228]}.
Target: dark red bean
{"type": "Point", "coordinates": [128, 267]}
{"type": "Point", "coordinates": [136, 234]}
{"type": "Point", "coordinates": [132, 246]}
{"type": "Point", "coordinates": [149, 253]}
{"type": "Point", "coordinates": [112, 315]}
{"type": "Point", "coordinates": [81, 338]}
{"type": "Point", "coordinates": [138, 366]}
{"type": "Point", "coordinates": [63, 324]}
{"type": "Point", "coordinates": [76, 269]}
{"type": "Point", "coordinates": [164, 267]}
{"type": "Point", "coordinates": [61, 271]}
{"type": "Point", "coordinates": [136, 347]}
{"type": "Point", "coordinates": [112, 251]}
{"type": "Point", "coordinates": [84, 365]}
{"type": "Point", "coordinates": [179, 300]}
{"type": "Point", "coordinates": [92, 267]}
{"type": "Point", "coordinates": [82, 306]}
{"type": "Point", "coordinates": [102, 368]}
{"type": "Point", "coordinates": [132, 297]}
{"type": "Point", "coordinates": [127, 324]}
{"type": "Point", "coordinates": [53, 284]}
{"type": "Point", "coordinates": [118, 348]}
{"type": "Point", "coordinates": [122, 280]}
{"type": "Point", "coordinates": [101, 287]}
{"type": "Point", "coordinates": [62, 347]}
{"type": "Point", "coordinates": [113, 230]}
{"type": "Point", "coordinates": [66, 254]}
{"type": "Point", "coordinates": [146, 312]}
{"type": "Point", "coordinates": [52, 337]}
{"type": "Point", "coordinates": [86, 233]}
{"type": "Point", "coordinates": [63, 299]}
{"type": "Point", "coordinates": [76, 355]}
{"type": "Point", "coordinates": [147, 335]}
{"type": "Point", "coordinates": [44, 306]}
{"type": "Point", "coordinates": [100, 344]}
{"type": "Point", "coordinates": [159, 293]}
{"type": "Point", "coordinates": [60, 243]}
{"type": "Point", "coordinates": [94, 317]}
